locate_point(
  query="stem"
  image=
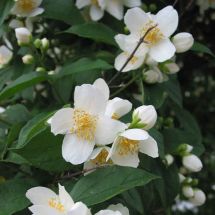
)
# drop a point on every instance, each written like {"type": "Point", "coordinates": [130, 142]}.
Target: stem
{"type": "Point", "coordinates": [176, 1]}
{"type": "Point", "coordinates": [142, 40]}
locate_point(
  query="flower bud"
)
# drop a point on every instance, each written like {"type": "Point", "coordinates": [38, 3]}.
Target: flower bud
{"type": "Point", "coordinates": [151, 76]}
{"type": "Point", "coordinates": [172, 68]}
{"type": "Point", "coordinates": [169, 159]}
{"type": "Point", "coordinates": [40, 69]}
{"type": "Point", "coordinates": [28, 59]}
{"type": "Point", "coordinates": [45, 43]}
{"type": "Point", "coordinates": [181, 177]}
{"type": "Point", "coordinates": [23, 36]}
{"type": "Point", "coordinates": [198, 198]}
{"type": "Point", "coordinates": [187, 191]}
{"type": "Point", "coordinates": [192, 163]}
{"type": "Point", "coordinates": [5, 55]}
{"type": "Point", "coordinates": [37, 43]}
{"type": "Point", "coordinates": [183, 42]}
{"type": "Point", "coordinates": [146, 115]}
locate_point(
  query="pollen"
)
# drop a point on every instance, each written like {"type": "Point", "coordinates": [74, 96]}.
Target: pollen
{"type": "Point", "coordinates": [115, 116]}
{"type": "Point", "coordinates": [101, 158]}
{"type": "Point", "coordinates": [84, 125]}
{"type": "Point", "coordinates": [56, 204]}
{"type": "Point", "coordinates": [153, 36]}
{"type": "Point", "coordinates": [95, 2]}
{"type": "Point", "coordinates": [127, 146]}
{"type": "Point", "coordinates": [26, 5]}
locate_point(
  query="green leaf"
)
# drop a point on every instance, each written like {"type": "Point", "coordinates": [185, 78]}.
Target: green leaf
{"type": "Point", "coordinates": [32, 128]}
{"type": "Point", "coordinates": [106, 183]}
{"type": "Point", "coordinates": [5, 7]}
{"type": "Point", "coordinates": [83, 65]}
{"type": "Point", "coordinates": [199, 47]}
{"type": "Point", "coordinates": [95, 31]}
{"type": "Point", "coordinates": [44, 151]}
{"type": "Point", "coordinates": [21, 83]}
{"type": "Point", "coordinates": [12, 195]}
{"type": "Point", "coordinates": [62, 10]}
{"type": "Point", "coordinates": [5, 76]}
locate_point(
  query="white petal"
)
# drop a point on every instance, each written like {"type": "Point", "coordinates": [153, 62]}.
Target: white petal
{"type": "Point", "coordinates": [97, 151]}
{"type": "Point", "coordinates": [65, 198]}
{"type": "Point", "coordinates": [62, 121]}
{"type": "Point", "coordinates": [76, 150]}
{"type": "Point", "coordinates": [2, 110]}
{"type": "Point", "coordinates": [37, 3]}
{"type": "Point", "coordinates": [89, 99]}
{"type": "Point", "coordinates": [167, 20]}
{"type": "Point", "coordinates": [40, 195]}
{"type": "Point", "coordinates": [115, 8]}
{"type": "Point", "coordinates": [133, 64]}
{"type": "Point", "coordinates": [96, 13]}
{"type": "Point", "coordinates": [172, 68]}
{"type": "Point", "coordinates": [133, 3]}
{"type": "Point", "coordinates": [135, 19]}
{"type": "Point", "coordinates": [44, 210]}
{"type": "Point", "coordinates": [118, 107]}
{"type": "Point", "coordinates": [199, 197]}
{"type": "Point", "coordinates": [82, 3]}
{"type": "Point", "coordinates": [135, 134]}
{"type": "Point", "coordinates": [192, 163]}
{"type": "Point", "coordinates": [119, 207]}
{"type": "Point", "coordinates": [149, 147]}
{"type": "Point", "coordinates": [108, 212]}
{"type": "Point", "coordinates": [107, 130]}
{"type": "Point", "coordinates": [5, 55]}
{"type": "Point", "coordinates": [162, 51]}
{"type": "Point", "coordinates": [103, 87]}
{"type": "Point", "coordinates": [36, 12]}
{"type": "Point", "coordinates": [79, 209]}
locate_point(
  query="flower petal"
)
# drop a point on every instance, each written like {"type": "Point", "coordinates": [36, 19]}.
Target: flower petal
{"type": "Point", "coordinates": [36, 12]}
{"type": "Point", "coordinates": [107, 130]}
{"type": "Point", "coordinates": [65, 199]}
{"type": "Point", "coordinates": [167, 20]}
{"type": "Point", "coordinates": [76, 150]}
{"type": "Point", "coordinates": [40, 195]}
{"type": "Point", "coordinates": [119, 207]}
{"type": "Point", "coordinates": [82, 3]}
{"type": "Point", "coordinates": [162, 51]}
{"type": "Point", "coordinates": [135, 19]}
{"type": "Point", "coordinates": [133, 64]}
{"type": "Point", "coordinates": [79, 209]}
{"type": "Point", "coordinates": [44, 210]}
{"type": "Point", "coordinates": [115, 8]}
{"type": "Point", "coordinates": [96, 13]}
{"type": "Point", "coordinates": [149, 147]}
{"type": "Point", "coordinates": [108, 212]}
{"type": "Point", "coordinates": [103, 87]}
{"type": "Point", "coordinates": [133, 3]}
{"type": "Point", "coordinates": [135, 134]}
{"type": "Point", "coordinates": [90, 99]}
{"type": "Point", "coordinates": [62, 121]}
{"type": "Point", "coordinates": [97, 150]}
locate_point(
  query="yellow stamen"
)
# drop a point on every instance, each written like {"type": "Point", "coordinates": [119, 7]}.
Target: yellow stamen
{"type": "Point", "coordinates": [56, 204]}
{"type": "Point", "coordinates": [101, 158]}
{"type": "Point", "coordinates": [127, 146]}
{"type": "Point", "coordinates": [84, 125]}
{"type": "Point", "coordinates": [95, 2]}
{"type": "Point", "coordinates": [115, 116]}
{"type": "Point", "coordinates": [26, 5]}
{"type": "Point", "coordinates": [153, 36]}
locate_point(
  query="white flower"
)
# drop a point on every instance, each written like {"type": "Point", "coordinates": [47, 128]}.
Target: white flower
{"type": "Point", "coordinates": [46, 202]}
{"type": "Point", "coordinates": [128, 144]}
{"type": "Point", "coordinates": [27, 8]}
{"type": "Point", "coordinates": [117, 107]}
{"type": "Point", "coordinates": [187, 191]}
{"type": "Point", "coordinates": [118, 209]}
{"type": "Point", "coordinates": [113, 7]}
{"type": "Point", "coordinates": [86, 123]}
{"type": "Point", "coordinates": [27, 59]}
{"type": "Point", "coordinates": [169, 159]}
{"type": "Point", "coordinates": [147, 115]}
{"type": "Point", "coordinates": [2, 110]}
{"type": "Point", "coordinates": [183, 42]}
{"type": "Point", "coordinates": [5, 55]}
{"type": "Point", "coordinates": [98, 158]}
{"type": "Point", "coordinates": [198, 198]}
{"type": "Point", "coordinates": [154, 75]}
{"type": "Point", "coordinates": [23, 36]}
{"type": "Point", "coordinates": [158, 45]}
{"type": "Point", "coordinates": [192, 163]}
{"type": "Point", "coordinates": [172, 68]}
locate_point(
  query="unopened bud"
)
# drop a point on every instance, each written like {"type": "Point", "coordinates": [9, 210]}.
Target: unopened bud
{"type": "Point", "coordinates": [45, 43]}
{"type": "Point", "coordinates": [23, 36]}
{"type": "Point", "coordinates": [40, 69]}
{"type": "Point", "coordinates": [187, 191]}
{"type": "Point", "coordinates": [192, 163]}
{"type": "Point", "coordinates": [37, 43]}
{"type": "Point", "coordinates": [28, 59]}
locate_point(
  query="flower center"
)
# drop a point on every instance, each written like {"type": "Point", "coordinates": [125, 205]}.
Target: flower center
{"type": "Point", "coordinates": [153, 36]}
{"type": "Point", "coordinates": [101, 158]}
{"type": "Point", "coordinates": [84, 125]}
{"type": "Point", "coordinates": [95, 2]}
{"type": "Point", "coordinates": [56, 204]}
{"type": "Point", "coordinates": [115, 116]}
{"type": "Point", "coordinates": [26, 5]}
{"type": "Point", "coordinates": [127, 146]}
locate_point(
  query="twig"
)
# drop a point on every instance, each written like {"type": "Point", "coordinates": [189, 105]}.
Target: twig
{"type": "Point", "coordinates": [187, 8]}
{"type": "Point", "coordinates": [176, 1]}
{"type": "Point", "coordinates": [142, 39]}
